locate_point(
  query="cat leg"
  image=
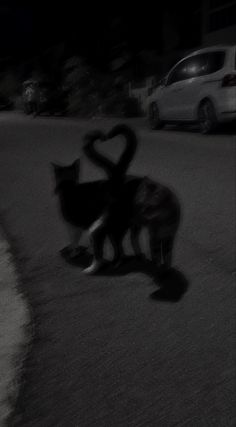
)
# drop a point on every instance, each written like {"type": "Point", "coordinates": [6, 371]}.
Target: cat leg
{"type": "Point", "coordinates": [167, 245]}
{"type": "Point", "coordinates": [134, 237]}
{"type": "Point", "coordinates": [116, 233]}
{"type": "Point", "coordinates": [118, 249]}
{"type": "Point", "coordinates": [155, 247]}
{"type": "Point", "coordinates": [97, 234]}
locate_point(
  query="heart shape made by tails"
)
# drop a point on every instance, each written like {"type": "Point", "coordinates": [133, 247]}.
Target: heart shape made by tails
{"type": "Point", "coordinates": [120, 130]}
{"type": "Point", "coordinates": [93, 139]}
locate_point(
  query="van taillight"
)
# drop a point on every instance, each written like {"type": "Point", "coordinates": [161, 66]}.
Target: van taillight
{"type": "Point", "coordinates": [229, 80]}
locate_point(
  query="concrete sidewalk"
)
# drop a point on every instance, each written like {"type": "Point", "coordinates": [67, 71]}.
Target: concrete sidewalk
{"type": "Point", "coordinates": [14, 317]}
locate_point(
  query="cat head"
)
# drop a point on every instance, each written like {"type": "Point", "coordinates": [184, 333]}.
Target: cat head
{"type": "Point", "coordinates": [66, 174]}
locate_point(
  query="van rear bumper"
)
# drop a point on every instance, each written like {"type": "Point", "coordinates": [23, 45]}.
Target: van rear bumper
{"type": "Point", "coordinates": [226, 104]}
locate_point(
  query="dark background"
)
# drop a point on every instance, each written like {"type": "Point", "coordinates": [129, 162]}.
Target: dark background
{"type": "Point", "coordinates": [97, 32]}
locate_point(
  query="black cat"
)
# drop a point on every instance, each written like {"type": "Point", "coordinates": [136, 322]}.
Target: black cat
{"type": "Point", "coordinates": [83, 205]}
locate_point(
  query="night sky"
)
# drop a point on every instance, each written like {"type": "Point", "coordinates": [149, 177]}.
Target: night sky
{"type": "Point", "coordinates": [96, 32]}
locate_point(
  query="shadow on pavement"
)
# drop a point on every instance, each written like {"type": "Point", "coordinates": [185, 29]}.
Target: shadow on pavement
{"type": "Point", "coordinates": [172, 284]}
{"type": "Point", "coordinates": [226, 129]}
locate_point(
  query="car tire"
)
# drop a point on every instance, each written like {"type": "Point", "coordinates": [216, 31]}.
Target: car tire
{"type": "Point", "coordinates": [207, 117]}
{"type": "Point", "coordinates": [154, 117]}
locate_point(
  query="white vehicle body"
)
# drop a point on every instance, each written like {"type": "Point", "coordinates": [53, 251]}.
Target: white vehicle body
{"type": "Point", "coordinates": [207, 75]}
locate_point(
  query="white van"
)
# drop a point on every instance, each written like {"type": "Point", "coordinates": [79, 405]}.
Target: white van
{"type": "Point", "coordinates": [199, 88]}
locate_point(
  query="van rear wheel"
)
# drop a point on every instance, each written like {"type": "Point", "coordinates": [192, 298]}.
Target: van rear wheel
{"type": "Point", "coordinates": [207, 117]}
{"type": "Point", "coordinates": [154, 117]}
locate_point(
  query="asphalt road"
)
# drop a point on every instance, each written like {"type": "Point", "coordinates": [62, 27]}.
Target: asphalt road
{"type": "Point", "coordinates": [108, 350]}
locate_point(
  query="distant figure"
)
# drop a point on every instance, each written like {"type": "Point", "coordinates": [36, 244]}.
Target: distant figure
{"type": "Point", "coordinates": [30, 98]}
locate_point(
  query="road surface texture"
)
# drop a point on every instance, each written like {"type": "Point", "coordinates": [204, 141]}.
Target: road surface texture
{"type": "Point", "coordinates": [112, 349]}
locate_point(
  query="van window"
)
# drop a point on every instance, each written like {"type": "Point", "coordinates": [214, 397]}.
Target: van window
{"type": "Point", "coordinates": [187, 69]}
{"type": "Point", "coordinates": [177, 74]}
{"type": "Point", "coordinates": [197, 65]}
{"type": "Point", "coordinates": [214, 61]}
{"type": "Point", "coordinates": [205, 63]}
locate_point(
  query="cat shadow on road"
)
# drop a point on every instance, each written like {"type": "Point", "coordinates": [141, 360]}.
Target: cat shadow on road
{"type": "Point", "coordinates": [172, 284]}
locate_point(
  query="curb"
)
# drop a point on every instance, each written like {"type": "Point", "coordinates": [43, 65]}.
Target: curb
{"type": "Point", "coordinates": [14, 319]}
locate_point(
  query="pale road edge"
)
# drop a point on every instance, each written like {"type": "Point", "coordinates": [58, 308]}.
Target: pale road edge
{"type": "Point", "coordinates": [15, 332]}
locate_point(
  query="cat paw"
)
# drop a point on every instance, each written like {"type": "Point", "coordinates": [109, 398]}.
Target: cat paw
{"type": "Point", "coordinates": [72, 252]}
{"type": "Point", "coordinates": [94, 267]}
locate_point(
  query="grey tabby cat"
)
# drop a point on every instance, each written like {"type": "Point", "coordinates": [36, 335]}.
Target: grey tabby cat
{"type": "Point", "coordinates": [135, 202]}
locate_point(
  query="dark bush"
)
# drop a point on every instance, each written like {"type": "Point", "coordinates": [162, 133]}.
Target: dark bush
{"type": "Point", "coordinates": [132, 108]}
{"type": "Point", "coordinates": [91, 92]}
{"type": "Point", "coordinates": [113, 105]}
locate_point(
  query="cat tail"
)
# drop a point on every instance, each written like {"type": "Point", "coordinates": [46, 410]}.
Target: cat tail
{"type": "Point", "coordinates": [115, 171]}
{"type": "Point", "coordinates": [97, 158]}
{"type": "Point", "coordinates": [129, 151]}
